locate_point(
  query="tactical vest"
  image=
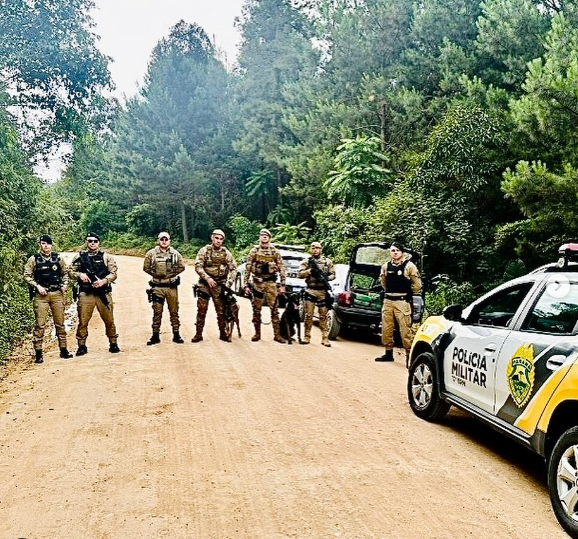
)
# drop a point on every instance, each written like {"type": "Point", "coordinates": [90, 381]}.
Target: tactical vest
{"type": "Point", "coordinates": [93, 266]}
{"type": "Point", "coordinates": [264, 263]}
{"type": "Point", "coordinates": [164, 264]}
{"type": "Point", "coordinates": [323, 265]}
{"type": "Point", "coordinates": [396, 281]}
{"type": "Point", "coordinates": [47, 273]}
{"type": "Point", "coordinates": [216, 262]}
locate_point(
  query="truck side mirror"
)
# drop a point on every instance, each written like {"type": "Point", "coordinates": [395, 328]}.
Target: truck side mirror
{"type": "Point", "coordinates": [453, 313]}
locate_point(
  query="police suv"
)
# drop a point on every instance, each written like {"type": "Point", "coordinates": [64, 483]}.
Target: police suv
{"type": "Point", "coordinates": [511, 359]}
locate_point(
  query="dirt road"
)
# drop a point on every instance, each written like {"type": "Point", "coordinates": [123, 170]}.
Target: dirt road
{"type": "Point", "coordinates": [245, 440]}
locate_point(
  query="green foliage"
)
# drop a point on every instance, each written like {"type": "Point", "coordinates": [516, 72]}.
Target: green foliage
{"type": "Point", "coordinates": [358, 175]}
{"type": "Point", "coordinates": [291, 234]}
{"type": "Point", "coordinates": [99, 216]}
{"type": "Point", "coordinates": [447, 292]}
{"type": "Point", "coordinates": [143, 220]}
{"type": "Point", "coordinates": [245, 231]}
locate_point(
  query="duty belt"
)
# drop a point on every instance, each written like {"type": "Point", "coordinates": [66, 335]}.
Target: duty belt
{"type": "Point", "coordinates": [174, 284]}
{"type": "Point", "coordinates": [269, 279]}
{"type": "Point", "coordinates": [395, 298]}
{"type": "Point", "coordinates": [53, 288]}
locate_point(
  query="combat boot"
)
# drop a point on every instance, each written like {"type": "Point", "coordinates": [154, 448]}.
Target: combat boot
{"type": "Point", "coordinates": [257, 336]}
{"type": "Point", "coordinates": [64, 353]}
{"type": "Point", "coordinates": [177, 337]}
{"type": "Point", "coordinates": [197, 338]}
{"type": "Point", "coordinates": [325, 342]}
{"type": "Point", "coordinates": [388, 356]}
{"type": "Point", "coordinates": [81, 350]}
{"type": "Point", "coordinates": [113, 348]}
{"type": "Point", "coordinates": [155, 339]}
{"type": "Point", "coordinates": [38, 358]}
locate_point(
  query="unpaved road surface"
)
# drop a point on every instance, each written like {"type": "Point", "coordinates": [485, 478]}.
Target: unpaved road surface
{"type": "Point", "coordinates": [245, 440]}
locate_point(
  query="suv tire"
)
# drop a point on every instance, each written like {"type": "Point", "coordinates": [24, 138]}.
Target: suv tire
{"type": "Point", "coordinates": [562, 481]}
{"type": "Point", "coordinates": [423, 389]}
{"type": "Point", "coordinates": [334, 327]}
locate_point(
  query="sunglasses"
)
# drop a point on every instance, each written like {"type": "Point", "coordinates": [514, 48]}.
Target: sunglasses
{"type": "Point", "coordinates": [163, 239]}
{"type": "Point", "coordinates": [91, 241]}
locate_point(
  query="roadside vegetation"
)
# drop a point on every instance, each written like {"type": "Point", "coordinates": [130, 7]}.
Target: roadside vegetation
{"type": "Point", "coordinates": [447, 125]}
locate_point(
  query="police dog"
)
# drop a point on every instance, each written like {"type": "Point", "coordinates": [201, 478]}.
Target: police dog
{"type": "Point", "coordinates": [291, 320]}
{"type": "Point", "coordinates": [230, 312]}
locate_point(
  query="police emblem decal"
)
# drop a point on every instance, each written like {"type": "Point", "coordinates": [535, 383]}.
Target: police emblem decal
{"type": "Point", "coordinates": [520, 374]}
{"type": "Point", "coordinates": [54, 267]}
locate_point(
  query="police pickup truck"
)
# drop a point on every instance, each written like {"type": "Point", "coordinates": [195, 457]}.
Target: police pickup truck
{"type": "Point", "coordinates": [511, 359]}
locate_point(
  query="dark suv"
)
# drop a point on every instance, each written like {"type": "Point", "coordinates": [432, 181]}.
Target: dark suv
{"type": "Point", "coordinates": [359, 304]}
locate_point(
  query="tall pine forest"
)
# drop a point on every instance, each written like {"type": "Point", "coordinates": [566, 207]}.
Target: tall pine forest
{"type": "Point", "coordinates": [451, 126]}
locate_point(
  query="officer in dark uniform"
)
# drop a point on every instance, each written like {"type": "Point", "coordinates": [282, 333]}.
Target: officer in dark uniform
{"type": "Point", "coordinates": [47, 276]}
{"type": "Point", "coordinates": [94, 271]}
{"type": "Point", "coordinates": [400, 279]}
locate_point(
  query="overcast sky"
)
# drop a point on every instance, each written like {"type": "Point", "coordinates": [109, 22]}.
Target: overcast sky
{"type": "Point", "coordinates": [130, 29]}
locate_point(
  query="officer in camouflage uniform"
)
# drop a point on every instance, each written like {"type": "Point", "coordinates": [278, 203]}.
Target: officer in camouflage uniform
{"type": "Point", "coordinates": [94, 271]}
{"type": "Point", "coordinates": [316, 291]}
{"type": "Point", "coordinates": [264, 262]}
{"type": "Point", "coordinates": [215, 266]}
{"type": "Point", "coordinates": [47, 276]}
{"type": "Point", "coordinates": [400, 279]}
{"type": "Point", "coordinates": [164, 264]}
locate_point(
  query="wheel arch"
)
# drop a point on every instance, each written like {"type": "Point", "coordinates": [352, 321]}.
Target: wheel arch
{"type": "Point", "coordinates": [565, 417]}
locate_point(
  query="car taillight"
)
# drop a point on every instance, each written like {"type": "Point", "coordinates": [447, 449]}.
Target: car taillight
{"type": "Point", "coordinates": [344, 299]}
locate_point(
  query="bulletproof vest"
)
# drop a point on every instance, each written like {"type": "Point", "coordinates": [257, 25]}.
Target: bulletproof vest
{"type": "Point", "coordinates": [264, 263]}
{"type": "Point", "coordinates": [164, 264]}
{"type": "Point", "coordinates": [396, 281]}
{"type": "Point", "coordinates": [47, 273]}
{"type": "Point", "coordinates": [216, 262]}
{"type": "Point", "coordinates": [323, 265]}
{"type": "Point", "coordinates": [93, 266]}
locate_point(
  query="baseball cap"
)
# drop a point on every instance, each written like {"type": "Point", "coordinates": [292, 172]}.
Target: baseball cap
{"type": "Point", "coordinates": [164, 235]}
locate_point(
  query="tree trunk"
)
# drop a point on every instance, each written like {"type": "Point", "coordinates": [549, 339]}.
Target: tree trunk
{"type": "Point", "coordinates": [184, 222]}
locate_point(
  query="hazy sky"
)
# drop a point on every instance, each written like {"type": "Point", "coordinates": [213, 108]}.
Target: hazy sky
{"type": "Point", "coordinates": [130, 29]}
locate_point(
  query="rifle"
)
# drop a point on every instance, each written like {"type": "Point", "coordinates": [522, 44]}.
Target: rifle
{"type": "Point", "coordinates": [89, 270]}
{"type": "Point", "coordinates": [319, 275]}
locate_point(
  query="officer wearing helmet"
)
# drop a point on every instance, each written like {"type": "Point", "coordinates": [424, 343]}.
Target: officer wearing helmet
{"type": "Point", "coordinates": [47, 277]}
{"type": "Point", "coordinates": [264, 263]}
{"type": "Point", "coordinates": [400, 279]}
{"type": "Point", "coordinates": [216, 267]}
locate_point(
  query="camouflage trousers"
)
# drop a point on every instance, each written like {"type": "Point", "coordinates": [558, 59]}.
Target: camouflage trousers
{"type": "Point", "coordinates": [266, 290]}
{"type": "Point", "coordinates": [396, 310]}
{"type": "Point", "coordinates": [309, 308]}
{"type": "Point", "coordinates": [204, 295]}
{"type": "Point", "coordinates": [86, 305]}
{"type": "Point", "coordinates": [171, 296]}
{"type": "Point", "coordinates": [53, 302]}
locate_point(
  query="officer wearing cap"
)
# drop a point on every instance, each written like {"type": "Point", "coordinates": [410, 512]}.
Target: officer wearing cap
{"type": "Point", "coordinates": [47, 276]}
{"type": "Point", "coordinates": [400, 280]}
{"type": "Point", "coordinates": [164, 264]}
{"type": "Point", "coordinates": [94, 271]}
{"type": "Point", "coordinates": [264, 264]}
{"type": "Point", "coordinates": [317, 271]}
{"type": "Point", "coordinates": [216, 268]}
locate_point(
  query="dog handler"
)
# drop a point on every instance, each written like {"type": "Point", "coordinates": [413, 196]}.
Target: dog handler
{"type": "Point", "coordinates": [215, 266]}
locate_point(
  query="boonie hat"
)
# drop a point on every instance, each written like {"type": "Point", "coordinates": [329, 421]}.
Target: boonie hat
{"type": "Point", "coordinates": [45, 238]}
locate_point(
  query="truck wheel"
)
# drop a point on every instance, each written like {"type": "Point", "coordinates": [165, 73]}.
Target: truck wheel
{"type": "Point", "coordinates": [422, 389]}
{"type": "Point", "coordinates": [563, 481]}
{"type": "Point", "coordinates": [333, 325]}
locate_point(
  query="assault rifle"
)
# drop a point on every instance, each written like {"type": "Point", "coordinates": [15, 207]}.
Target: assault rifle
{"type": "Point", "coordinates": [89, 271]}
{"type": "Point", "coordinates": [319, 275]}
